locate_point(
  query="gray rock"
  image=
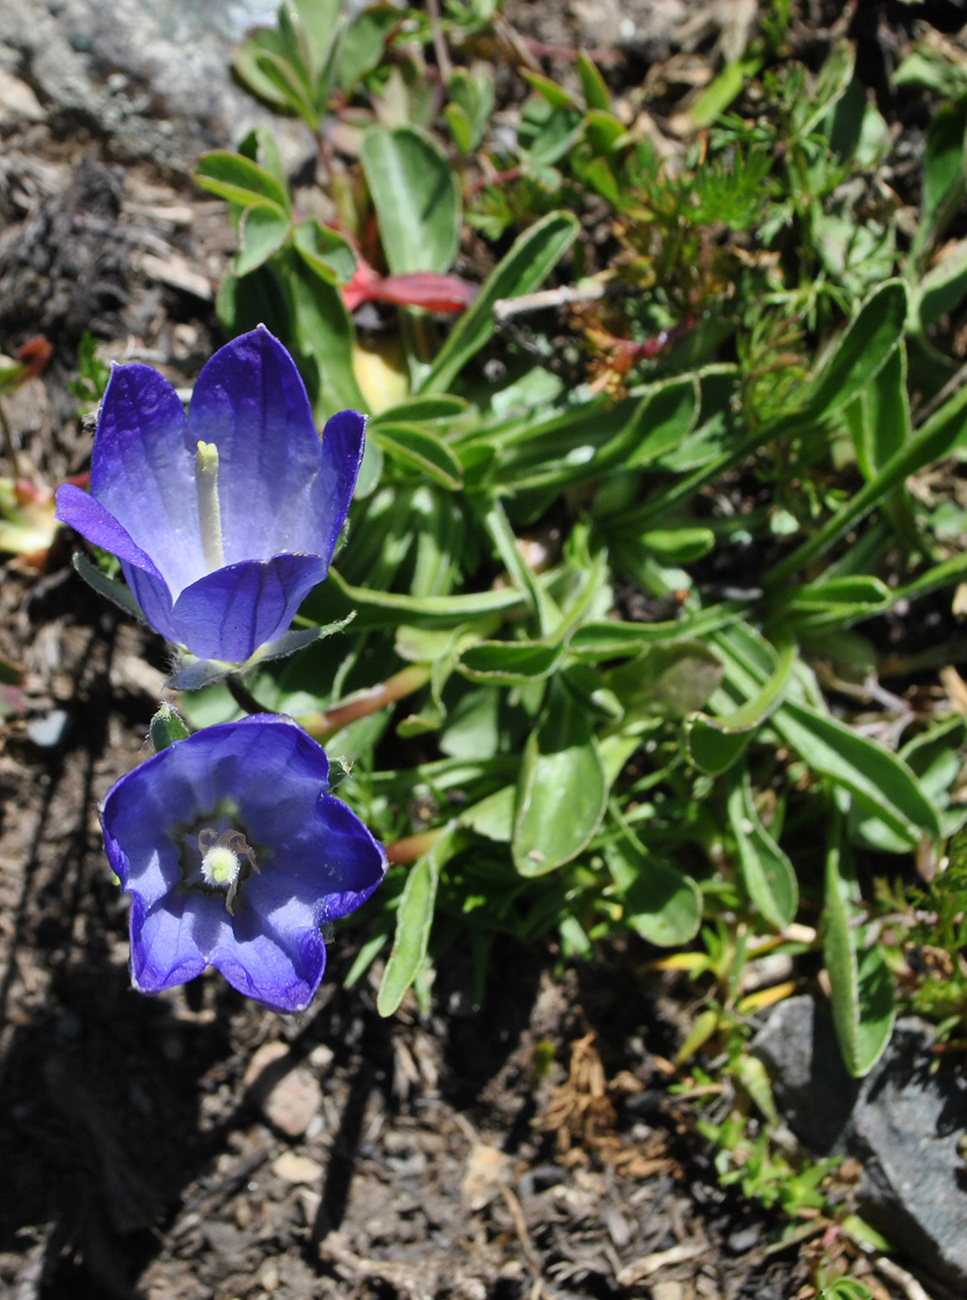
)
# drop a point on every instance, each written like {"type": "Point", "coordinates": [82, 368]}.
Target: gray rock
{"type": "Point", "coordinates": [154, 75]}
{"type": "Point", "coordinates": [903, 1122]}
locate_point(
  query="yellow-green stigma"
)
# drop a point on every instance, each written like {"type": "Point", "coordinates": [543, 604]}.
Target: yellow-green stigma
{"type": "Point", "coordinates": [221, 862]}
{"type": "Point", "coordinates": [209, 511]}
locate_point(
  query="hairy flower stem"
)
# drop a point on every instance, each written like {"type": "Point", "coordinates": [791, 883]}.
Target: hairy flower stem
{"type": "Point", "coordinates": [366, 702]}
{"type": "Point", "coordinates": [243, 697]}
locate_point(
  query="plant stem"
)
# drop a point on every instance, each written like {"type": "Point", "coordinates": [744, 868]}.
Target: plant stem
{"type": "Point", "coordinates": [363, 703]}
{"type": "Point", "coordinates": [413, 846]}
{"type": "Point", "coordinates": [243, 697]}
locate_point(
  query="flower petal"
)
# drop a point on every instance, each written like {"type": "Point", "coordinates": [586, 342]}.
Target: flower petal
{"type": "Point", "coordinates": [342, 454]}
{"type": "Point", "coordinates": [92, 520]}
{"type": "Point", "coordinates": [228, 614]}
{"type": "Point", "coordinates": [170, 942]}
{"type": "Point", "coordinates": [143, 471]}
{"type": "Point", "coordinates": [281, 965]}
{"type": "Point", "coordinates": [250, 401]}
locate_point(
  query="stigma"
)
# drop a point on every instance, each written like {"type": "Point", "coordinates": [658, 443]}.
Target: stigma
{"type": "Point", "coordinates": [209, 510]}
{"type": "Point", "coordinates": [222, 859]}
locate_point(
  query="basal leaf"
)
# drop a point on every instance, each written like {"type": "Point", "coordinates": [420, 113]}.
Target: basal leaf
{"type": "Point", "coordinates": [658, 901]}
{"type": "Point", "coordinates": [413, 922]}
{"type": "Point", "coordinates": [766, 871]}
{"type": "Point", "coordinates": [262, 231]}
{"type": "Point", "coordinates": [238, 179]}
{"type": "Point", "coordinates": [325, 251]}
{"type": "Point", "coordinates": [414, 445]}
{"type": "Point", "coordinates": [534, 255]}
{"type": "Point", "coordinates": [862, 988]}
{"type": "Point", "coordinates": [562, 791]}
{"type": "Point", "coordinates": [416, 196]}
{"type": "Point", "coordinates": [878, 779]}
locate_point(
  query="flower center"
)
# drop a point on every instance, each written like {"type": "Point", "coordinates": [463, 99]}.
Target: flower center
{"type": "Point", "coordinates": [221, 861]}
{"type": "Point", "coordinates": [209, 510]}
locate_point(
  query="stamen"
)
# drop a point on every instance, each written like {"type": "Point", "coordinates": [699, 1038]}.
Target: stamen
{"type": "Point", "coordinates": [209, 512]}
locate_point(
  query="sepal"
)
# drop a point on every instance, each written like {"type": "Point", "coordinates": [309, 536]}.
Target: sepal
{"type": "Point", "coordinates": [110, 587]}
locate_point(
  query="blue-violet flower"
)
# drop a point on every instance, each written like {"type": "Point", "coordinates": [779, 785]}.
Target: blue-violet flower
{"type": "Point", "coordinates": [223, 521]}
{"type": "Point", "coordinates": [235, 856]}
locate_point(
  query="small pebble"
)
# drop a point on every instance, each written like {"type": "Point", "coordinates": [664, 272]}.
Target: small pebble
{"type": "Point", "coordinates": [292, 1168]}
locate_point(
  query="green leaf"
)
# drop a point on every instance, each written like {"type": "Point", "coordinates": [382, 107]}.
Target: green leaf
{"type": "Point", "coordinates": [862, 990]}
{"type": "Point", "coordinates": [417, 447]}
{"type": "Point", "coordinates": [943, 432]}
{"type": "Point", "coordinates": [260, 147]}
{"type": "Point", "coordinates": [837, 602]}
{"type": "Point", "coordinates": [719, 94]}
{"type": "Point", "coordinates": [856, 358]}
{"type": "Point", "coordinates": [562, 790]}
{"type": "Point", "coordinates": [426, 611]}
{"type": "Point", "coordinates": [263, 229]}
{"type": "Point", "coordinates": [552, 93]}
{"type": "Point", "coordinates": [323, 333]}
{"type": "Point", "coordinates": [509, 663]}
{"type": "Point", "coordinates": [714, 744]}
{"type": "Point", "coordinates": [880, 415]}
{"type": "Point", "coordinates": [667, 680]}
{"type": "Point", "coordinates": [416, 196]}
{"type": "Point", "coordinates": [659, 902]}
{"type": "Point", "coordinates": [880, 781]}
{"type": "Point", "coordinates": [944, 286]}
{"type": "Point", "coordinates": [473, 102]}
{"type": "Point", "coordinates": [859, 355]}
{"type": "Point", "coordinates": [766, 871]}
{"type": "Point", "coordinates": [421, 410]}
{"type": "Point", "coordinates": [943, 159]}
{"type": "Point", "coordinates": [238, 179]}
{"type": "Point", "coordinates": [531, 259]}
{"type": "Point", "coordinates": [547, 133]}
{"type": "Point", "coordinates": [596, 93]}
{"type": "Point", "coordinates": [602, 641]}
{"type": "Point", "coordinates": [362, 45]}
{"type": "Point", "coordinates": [325, 251]}
{"type": "Point", "coordinates": [413, 921]}
{"type": "Point", "coordinates": [460, 127]}
{"type": "Point", "coordinates": [289, 83]}
{"type": "Point", "coordinates": [831, 84]}
{"type": "Point", "coordinates": [493, 817]}
{"type": "Point", "coordinates": [247, 69]}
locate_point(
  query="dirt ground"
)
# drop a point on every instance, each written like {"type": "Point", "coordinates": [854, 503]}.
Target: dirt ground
{"type": "Point", "coordinates": [195, 1146]}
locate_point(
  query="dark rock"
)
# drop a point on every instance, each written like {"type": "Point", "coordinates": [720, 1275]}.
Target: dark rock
{"type": "Point", "coordinates": [797, 1045]}
{"type": "Point", "coordinates": [903, 1122]}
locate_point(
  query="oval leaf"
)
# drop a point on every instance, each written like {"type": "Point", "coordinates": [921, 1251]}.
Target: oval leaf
{"type": "Point", "coordinates": [562, 791]}
{"type": "Point", "coordinates": [416, 196]}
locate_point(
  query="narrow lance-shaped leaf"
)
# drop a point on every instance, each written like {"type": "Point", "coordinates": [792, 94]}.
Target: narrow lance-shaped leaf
{"type": "Point", "coordinates": [855, 360]}
{"type": "Point", "coordinates": [413, 922]}
{"type": "Point", "coordinates": [534, 255]}
{"type": "Point", "coordinates": [878, 779]}
{"type": "Point", "coordinates": [766, 871]}
{"type": "Point", "coordinates": [862, 988]}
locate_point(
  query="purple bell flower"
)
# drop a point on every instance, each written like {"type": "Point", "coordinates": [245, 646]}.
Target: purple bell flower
{"type": "Point", "coordinates": [224, 521]}
{"type": "Point", "coordinates": [235, 856]}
